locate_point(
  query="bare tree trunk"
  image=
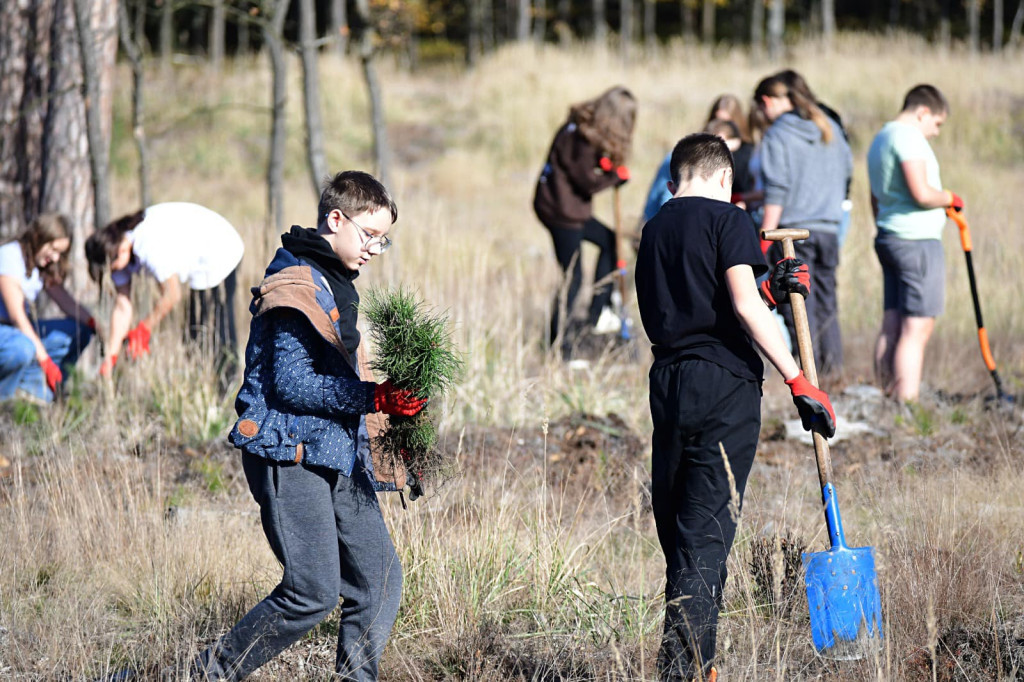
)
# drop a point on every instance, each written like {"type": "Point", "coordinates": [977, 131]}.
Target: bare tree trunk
{"type": "Point", "coordinates": [997, 25]}
{"type": "Point", "coordinates": [974, 25]}
{"type": "Point", "coordinates": [707, 24]}
{"type": "Point", "coordinates": [166, 31]}
{"type": "Point", "coordinates": [600, 23]}
{"type": "Point", "coordinates": [945, 33]}
{"type": "Point", "coordinates": [315, 154]}
{"type": "Point", "coordinates": [218, 20]}
{"type": "Point", "coordinates": [273, 37]}
{"type": "Point", "coordinates": [757, 28]}
{"type": "Point", "coordinates": [540, 20]}
{"type": "Point", "coordinates": [488, 37]}
{"type": "Point", "coordinates": [626, 29]}
{"type": "Point", "coordinates": [522, 20]}
{"type": "Point", "coordinates": [134, 54]}
{"type": "Point", "coordinates": [1018, 21]}
{"type": "Point", "coordinates": [99, 142]}
{"type": "Point", "coordinates": [828, 22]}
{"type": "Point", "coordinates": [686, 15]}
{"type": "Point", "coordinates": [474, 45]}
{"type": "Point", "coordinates": [339, 25]}
{"type": "Point", "coordinates": [776, 27]}
{"type": "Point", "coordinates": [650, 26]}
{"type": "Point", "coordinates": [367, 54]}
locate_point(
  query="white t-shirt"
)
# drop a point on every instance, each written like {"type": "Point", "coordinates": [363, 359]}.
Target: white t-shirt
{"type": "Point", "coordinates": [188, 240]}
{"type": "Point", "coordinates": [12, 264]}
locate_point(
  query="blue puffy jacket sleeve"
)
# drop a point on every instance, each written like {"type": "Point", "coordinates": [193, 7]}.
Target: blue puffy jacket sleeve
{"type": "Point", "coordinates": [300, 382]}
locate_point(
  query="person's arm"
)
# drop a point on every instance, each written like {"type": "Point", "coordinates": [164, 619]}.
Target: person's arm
{"type": "Point", "coordinates": [66, 302]}
{"type": "Point", "coordinates": [14, 301]}
{"type": "Point", "coordinates": [756, 319]}
{"type": "Point", "coordinates": [170, 294]}
{"type": "Point", "coordinates": [120, 320]}
{"type": "Point", "coordinates": [772, 217]}
{"type": "Point", "coordinates": [581, 162]}
{"type": "Point", "coordinates": [924, 194]}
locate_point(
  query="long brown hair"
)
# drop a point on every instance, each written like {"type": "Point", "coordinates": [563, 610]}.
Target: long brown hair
{"type": "Point", "coordinates": [803, 105]}
{"type": "Point", "coordinates": [607, 122]}
{"type": "Point", "coordinates": [731, 104]}
{"type": "Point", "coordinates": [102, 245]}
{"type": "Point", "coordinates": [46, 228]}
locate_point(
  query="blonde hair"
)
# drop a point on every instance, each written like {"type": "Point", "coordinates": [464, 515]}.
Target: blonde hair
{"type": "Point", "coordinates": [607, 122]}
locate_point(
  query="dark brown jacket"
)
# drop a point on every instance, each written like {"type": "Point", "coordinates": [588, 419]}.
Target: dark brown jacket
{"type": "Point", "coordinates": [571, 176]}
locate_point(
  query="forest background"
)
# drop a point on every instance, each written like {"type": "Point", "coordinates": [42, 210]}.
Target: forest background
{"type": "Point", "coordinates": [130, 539]}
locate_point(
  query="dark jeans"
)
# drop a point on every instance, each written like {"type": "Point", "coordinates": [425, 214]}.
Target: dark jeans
{"type": "Point", "coordinates": [821, 253]}
{"type": "Point", "coordinates": [567, 248]}
{"type": "Point", "coordinates": [697, 408]}
{"type": "Point", "coordinates": [211, 321]}
{"type": "Point", "coordinates": [327, 531]}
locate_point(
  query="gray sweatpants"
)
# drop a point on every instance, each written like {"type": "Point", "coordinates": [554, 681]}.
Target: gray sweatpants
{"type": "Point", "coordinates": [327, 531]}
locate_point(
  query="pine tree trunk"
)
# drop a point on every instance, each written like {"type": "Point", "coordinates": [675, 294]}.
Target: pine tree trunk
{"type": "Point", "coordinates": [367, 55]}
{"type": "Point", "coordinates": [218, 20]}
{"type": "Point", "coordinates": [540, 20]}
{"type": "Point", "coordinates": [315, 154]}
{"type": "Point", "coordinates": [600, 23]}
{"type": "Point", "coordinates": [974, 25]}
{"type": "Point", "coordinates": [522, 20]}
{"type": "Point", "coordinates": [828, 22]}
{"type": "Point", "coordinates": [707, 25]}
{"type": "Point", "coordinates": [650, 26]}
{"type": "Point", "coordinates": [757, 27]}
{"type": "Point", "coordinates": [273, 38]}
{"type": "Point", "coordinates": [1015, 27]}
{"type": "Point", "coordinates": [134, 53]}
{"type": "Point", "coordinates": [997, 25]}
{"type": "Point", "coordinates": [686, 14]}
{"type": "Point", "coordinates": [474, 44]}
{"type": "Point", "coordinates": [166, 31]}
{"type": "Point", "coordinates": [339, 25]}
{"type": "Point", "coordinates": [626, 29]}
{"type": "Point", "coordinates": [776, 27]}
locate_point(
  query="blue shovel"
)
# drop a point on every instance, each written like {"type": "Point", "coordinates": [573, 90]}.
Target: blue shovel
{"type": "Point", "coordinates": [842, 589]}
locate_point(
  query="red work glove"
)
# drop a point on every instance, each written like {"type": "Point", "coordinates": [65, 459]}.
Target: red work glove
{"type": "Point", "coordinates": [138, 341]}
{"type": "Point", "coordinates": [955, 202]}
{"type": "Point", "coordinates": [790, 276]}
{"type": "Point", "coordinates": [814, 406]}
{"type": "Point", "coordinates": [91, 323]}
{"type": "Point", "coordinates": [108, 366]}
{"type": "Point", "coordinates": [623, 173]}
{"type": "Point", "coordinates": [389, 399]}
{"type": "Point", "coordinates": [52, 372]}
{"type": "Point", "coordinates": [605, 164]}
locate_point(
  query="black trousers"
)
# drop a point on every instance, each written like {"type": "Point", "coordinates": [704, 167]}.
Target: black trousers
{"type": "Point", "coordinates": [567, 248]}
{"type": "Point", "coordinates": [697, 408]}
{"type": "Point", "coordinates": [211, 322]}
{"type": "Point", "coordinates": [821, 253]}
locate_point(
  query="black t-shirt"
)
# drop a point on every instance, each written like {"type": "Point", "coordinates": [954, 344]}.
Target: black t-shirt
{"type": "Point", "coordinates": [681, 287]}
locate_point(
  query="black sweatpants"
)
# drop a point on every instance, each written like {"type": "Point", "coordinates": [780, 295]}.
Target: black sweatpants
{"type": "Point", "coordinates": [697, 406]}
{"type": "Point", "coordinates": [567, 247]}
{"type": "Point", "coordinates": [821, 253]}
{"type": "Point", "coordinates": [211, 321]}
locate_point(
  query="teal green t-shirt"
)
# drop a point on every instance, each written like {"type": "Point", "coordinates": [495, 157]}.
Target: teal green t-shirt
{"type": "Point", "coordinates": [898, 213]}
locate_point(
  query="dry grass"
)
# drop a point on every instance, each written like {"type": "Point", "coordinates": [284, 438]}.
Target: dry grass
{"type": "Point", "coordinates": [513, 572]}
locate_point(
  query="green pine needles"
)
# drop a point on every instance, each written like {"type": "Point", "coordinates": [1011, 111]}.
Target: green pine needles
{"type": "Point", "coordinates": [414, 349]}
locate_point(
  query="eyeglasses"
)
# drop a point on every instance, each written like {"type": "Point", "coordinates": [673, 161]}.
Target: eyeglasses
{"type": "Point", "coordinates": [373, 245]}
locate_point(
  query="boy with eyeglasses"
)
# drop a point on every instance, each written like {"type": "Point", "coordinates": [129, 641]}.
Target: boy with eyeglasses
{"type": "Point", "coordinates": [303, 443]}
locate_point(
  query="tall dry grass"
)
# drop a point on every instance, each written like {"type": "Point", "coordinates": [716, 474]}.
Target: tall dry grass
{"type": "Point", "coordinates": [510, 575]}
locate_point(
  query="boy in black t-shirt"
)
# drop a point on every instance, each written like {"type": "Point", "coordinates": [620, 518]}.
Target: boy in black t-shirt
{"type": "Point", "coordinates": [704, 314]}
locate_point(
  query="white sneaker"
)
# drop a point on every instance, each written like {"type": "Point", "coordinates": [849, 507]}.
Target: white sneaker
{"type": "Point", "coordinates": [608, 322]}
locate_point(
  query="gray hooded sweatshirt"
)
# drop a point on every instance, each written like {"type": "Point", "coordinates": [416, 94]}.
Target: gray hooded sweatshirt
{"type": "Point", "coordinates": [803, 174]}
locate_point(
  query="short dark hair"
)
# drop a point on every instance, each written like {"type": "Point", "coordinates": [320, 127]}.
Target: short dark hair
{"type": "Point", "coordinates": [926, 96]}
{"type": "Point", "coordinates": [722, 128]}
{"type": "Point", "coordinates": [353, 192]}
{"type": "Point", "coordinates": [699, 154]}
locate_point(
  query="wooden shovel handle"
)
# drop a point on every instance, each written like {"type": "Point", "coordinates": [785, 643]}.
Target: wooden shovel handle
{"type": "Point", "coordinates": [803, 342]}
{"type": "Point", "coordinates": [620, 250]}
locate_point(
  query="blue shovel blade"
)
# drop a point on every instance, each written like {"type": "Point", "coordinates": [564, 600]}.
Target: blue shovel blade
{"type": "Point", "coordinates": [845, 607]}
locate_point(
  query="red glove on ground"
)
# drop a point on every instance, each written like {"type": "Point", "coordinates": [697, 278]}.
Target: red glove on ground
{"type": "Point", "coordinates": [138, 341]}
{"type": "Point", "coordinates": [955, 202]}
{"type": "Point", "coordinates": [605, 164]}
{"type": "Point", "coordinates": [389, 399]}
{"type": "Point", "coordinates": [789, 276]}
{"type": "Point", "coordinates": [52, 372]}
{"type": "Point", "coordinates": [814, 406]}
{"type": "Point", "coordinates": [106, 368]}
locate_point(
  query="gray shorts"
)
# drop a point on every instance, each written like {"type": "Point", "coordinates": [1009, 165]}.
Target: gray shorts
{"type": "Point", "coordinates": [914, 275]}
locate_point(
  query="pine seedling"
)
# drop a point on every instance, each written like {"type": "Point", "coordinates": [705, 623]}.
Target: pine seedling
{"type": "Point", "coordinates": [414, 349]}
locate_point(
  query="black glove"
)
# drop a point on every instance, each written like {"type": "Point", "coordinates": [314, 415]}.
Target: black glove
{"type": "Point", "coordinates": [789, 276]}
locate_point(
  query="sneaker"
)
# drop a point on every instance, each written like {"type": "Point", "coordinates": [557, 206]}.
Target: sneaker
{"type": "Point", "coordinates": [608, 322]}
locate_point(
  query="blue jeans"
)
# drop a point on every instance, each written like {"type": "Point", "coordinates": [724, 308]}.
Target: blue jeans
{"type": "Point", "coordinates": [64, 340]}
